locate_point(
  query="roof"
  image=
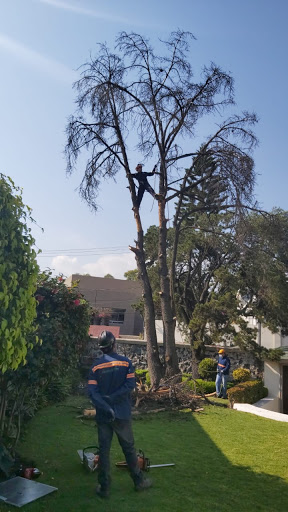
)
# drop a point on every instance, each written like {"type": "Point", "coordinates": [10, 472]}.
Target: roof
{"type": "Point", "coordinates": [95, 330]}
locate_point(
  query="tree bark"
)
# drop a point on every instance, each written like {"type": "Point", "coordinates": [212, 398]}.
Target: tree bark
{"type": "Point", "coordinates": [171, 359]}
{"type": "Point", "coordinates": [155, 366]}
{"type": "Point", "coordinates": [197, 350]}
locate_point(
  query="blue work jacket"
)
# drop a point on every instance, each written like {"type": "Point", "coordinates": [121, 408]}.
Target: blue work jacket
{"type": "Point", "coordinates": [111, 380]}
{"type": "Point", "coordinates": [223, 365]}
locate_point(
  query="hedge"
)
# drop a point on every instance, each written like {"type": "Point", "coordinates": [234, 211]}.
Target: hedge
{"type": "Point", "coordinates": [247, 392]}
{"type": "Point", "coordinates": [203, 386]}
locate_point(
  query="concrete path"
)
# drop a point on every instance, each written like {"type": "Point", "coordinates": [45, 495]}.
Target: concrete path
{"type": "Point", "coordinates": [254, 409]}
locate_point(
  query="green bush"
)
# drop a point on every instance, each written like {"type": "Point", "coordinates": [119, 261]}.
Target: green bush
{"type": "Point", "coordinates": [143, 376]}
{"type": "Point", "coordinates": [207, 369]}
{"type": "Point", "coordinates": [205, 386]}
{"type": "Point", "coordinates": [247, 392]}
{"type": "Point", "coordinates": [58, 390]}
{"type": "Point", "coordinates": [201, 385]}
{"type": "Point", "coordinates": [241, 375]}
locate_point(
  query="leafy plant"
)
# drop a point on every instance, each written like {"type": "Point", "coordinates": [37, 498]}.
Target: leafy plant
{"type": "Point", "coordinates": [241, 375]}
{"type": "Point", "coordinates": [207, 368]}
{"type": "Point", "coordinates": [18, 277]}
{"type": "Point", "coordinates": [143, 376]}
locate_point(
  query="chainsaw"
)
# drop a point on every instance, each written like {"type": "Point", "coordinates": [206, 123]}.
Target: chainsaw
{"type": "Point", "coordinates": [90, 459]}
{"type": "Point", "coordinates": [144, 463]}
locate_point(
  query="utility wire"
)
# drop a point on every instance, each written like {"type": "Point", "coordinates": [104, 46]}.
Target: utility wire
{"type": "Point", "coordinates": [114, 248]}
{"type": "Point", "coordinates": [93, 251]}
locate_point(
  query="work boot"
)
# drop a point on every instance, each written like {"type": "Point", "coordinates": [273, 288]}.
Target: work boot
{"type": "Point", "coordinates": [102, 492]}
{"type": "Point", "coordinates": [143, 485]}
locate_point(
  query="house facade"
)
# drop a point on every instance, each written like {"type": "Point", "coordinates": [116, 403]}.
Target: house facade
{"type": "Point", "coordinates": [276, 373]}
{"type": "Point", "coordinates": [111, 301]}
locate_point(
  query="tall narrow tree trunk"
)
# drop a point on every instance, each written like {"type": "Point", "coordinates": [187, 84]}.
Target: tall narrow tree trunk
{"type": "Point", "coordinates": [197, 350]}
{"type": "Point", "coordinates": [171, 359]}
{"type": "Point", "coordinates": [3, 403]}
{"type": "Point", "coordinates": [155, 366]}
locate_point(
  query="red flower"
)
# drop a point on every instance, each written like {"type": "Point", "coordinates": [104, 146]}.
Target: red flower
{"type": "Point", "coordinates": [76, 302]}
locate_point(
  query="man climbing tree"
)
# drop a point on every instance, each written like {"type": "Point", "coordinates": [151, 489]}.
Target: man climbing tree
{"type": "Point", "coordinates": [141, 177]}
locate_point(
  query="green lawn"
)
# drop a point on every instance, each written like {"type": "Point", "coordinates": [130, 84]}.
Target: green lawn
{"type": "Point", "coordinates": [225, 461]}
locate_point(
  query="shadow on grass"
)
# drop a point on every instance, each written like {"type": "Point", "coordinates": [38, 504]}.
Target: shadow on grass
{"type": "Point", "coordinates": [203, 479]}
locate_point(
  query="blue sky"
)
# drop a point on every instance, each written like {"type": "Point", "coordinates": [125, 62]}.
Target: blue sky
{"type": "Point", "coordinates": [42, 44]}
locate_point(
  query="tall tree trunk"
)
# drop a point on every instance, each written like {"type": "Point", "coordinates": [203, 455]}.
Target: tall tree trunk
{"type": "Point", "coordinates": [3, 402]}
{"type": "Point", "coordinates": [197, 350]}
{"type": "Point", "coordinates": [171, 359]}
{"type": "Point", "coordinates": [155, 366]}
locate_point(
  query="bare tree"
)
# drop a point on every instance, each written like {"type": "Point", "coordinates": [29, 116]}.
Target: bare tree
{"type": "Point", "coordinates": [157, 97]}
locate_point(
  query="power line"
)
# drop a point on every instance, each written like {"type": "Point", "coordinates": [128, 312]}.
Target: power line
{"type": "Point", "coordinates": [100, 251]}
{"type": "Point", "coordinates": [116, 247]}
{"type": "Point", "coordinates": [81, 255]}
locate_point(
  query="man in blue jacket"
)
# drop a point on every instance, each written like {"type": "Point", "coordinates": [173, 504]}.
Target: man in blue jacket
{"type": "Point", "coordinates": [222, 374]}
{"type": "Point", "coordinates": [111, 380]}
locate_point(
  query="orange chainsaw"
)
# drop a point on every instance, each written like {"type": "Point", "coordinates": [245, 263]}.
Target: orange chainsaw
{"type": "Point", "coordinates": [144, 463]}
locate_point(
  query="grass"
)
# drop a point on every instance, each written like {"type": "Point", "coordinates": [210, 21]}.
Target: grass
{"type": "Point", "coordinates": [225, 461]}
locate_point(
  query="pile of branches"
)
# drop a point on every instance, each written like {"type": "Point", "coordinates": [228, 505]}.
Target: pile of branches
{"type": "Point", "coordinates": [170, 395]}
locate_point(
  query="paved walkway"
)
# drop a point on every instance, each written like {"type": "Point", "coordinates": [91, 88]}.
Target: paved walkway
{"type": "Point", "coordinates": [256, 409]}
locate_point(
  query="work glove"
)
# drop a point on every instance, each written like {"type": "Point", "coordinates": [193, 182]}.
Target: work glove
{"type": "Point", "coordinates": [111, 415]}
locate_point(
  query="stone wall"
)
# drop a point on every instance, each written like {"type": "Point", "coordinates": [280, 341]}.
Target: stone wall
{"type": "Point", "coordinates": [137, 352]}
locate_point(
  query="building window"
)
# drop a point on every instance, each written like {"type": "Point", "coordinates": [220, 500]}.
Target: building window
{"type": "Point", "coordinates": [117, 316]}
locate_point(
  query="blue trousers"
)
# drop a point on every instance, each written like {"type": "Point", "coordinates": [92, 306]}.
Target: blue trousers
{"type": "Point", "coordinates": [123, 430]}
{"type": "Point", "coordinates": [221, 385]}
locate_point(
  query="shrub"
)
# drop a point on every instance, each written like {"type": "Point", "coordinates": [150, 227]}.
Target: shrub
{"type": "Point", "coordinates": [241, 375]}
{"type": "Point", "coordinates": [50, 374]}
{"type": "Point", "coordinates": [207, 369]}
{"type": "Point", "coordinates": [57, 390]}
{"type": "Point", "coordinates": [203, 386]}
{"type": "Point", "coordinates": [143, 376]}
{"type": "Point", "coordinates": [247, 392]}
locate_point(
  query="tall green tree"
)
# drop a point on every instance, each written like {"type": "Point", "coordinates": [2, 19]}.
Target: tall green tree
{"type": "Point", "coordinates": [156, 96]}
{"type": "Point", "coordinates": [131, 275]}
{"type": "Point", "coordinates": [18, 276]}
{"type": "Point", "coordinates": [229, 269]}
{"type": "Point", "coordinates": [225, 267]}
{"type": "Point", "coordinates": [263, 273]}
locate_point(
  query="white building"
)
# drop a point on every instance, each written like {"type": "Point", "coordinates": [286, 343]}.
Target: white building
{"type": "Point", "coordinates": [276, 372]}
